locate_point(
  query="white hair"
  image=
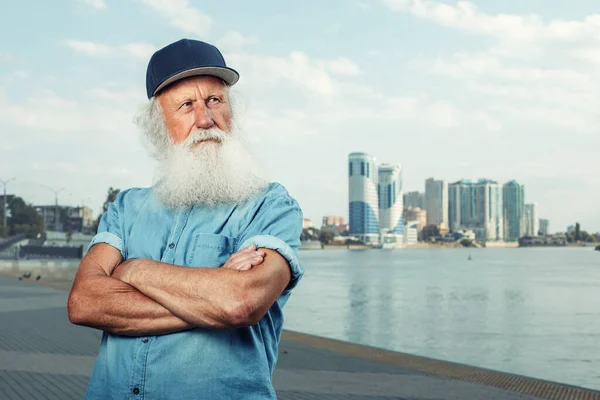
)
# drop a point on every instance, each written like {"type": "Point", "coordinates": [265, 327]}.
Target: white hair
{"type": "Point", "coordinates": [213, 174]}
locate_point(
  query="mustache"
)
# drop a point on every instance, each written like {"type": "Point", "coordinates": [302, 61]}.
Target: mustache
{"type": "Point", "coordinates": [201, 135]}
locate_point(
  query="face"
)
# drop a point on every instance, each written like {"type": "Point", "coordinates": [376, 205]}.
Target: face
{"type": "Point", "coordinates": [195, 103]}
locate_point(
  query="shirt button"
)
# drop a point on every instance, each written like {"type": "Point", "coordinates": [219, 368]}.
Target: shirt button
{"type": "Point", "coordinates": [136, 390]}
{"type": "Point", "coordinates": [172, 245]}
{"type": "Point", "coordinates": [145, 340]}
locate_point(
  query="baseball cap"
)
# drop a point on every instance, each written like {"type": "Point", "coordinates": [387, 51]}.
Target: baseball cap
{"type": "Point", "coordinates": [183, 59]}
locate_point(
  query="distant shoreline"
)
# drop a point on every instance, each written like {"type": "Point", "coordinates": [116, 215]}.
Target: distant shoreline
{"type": "Point", "coordinates": [423, 246]}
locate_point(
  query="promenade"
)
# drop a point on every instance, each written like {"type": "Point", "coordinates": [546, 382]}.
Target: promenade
{"type": "Point", "coordinates": [43, 356]}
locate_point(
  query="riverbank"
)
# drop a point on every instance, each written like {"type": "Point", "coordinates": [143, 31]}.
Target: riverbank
{"type": "Point", "coordinates": [43, 356]}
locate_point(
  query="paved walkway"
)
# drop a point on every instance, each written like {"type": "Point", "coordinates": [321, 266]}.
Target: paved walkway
{"type": "Point", "coordinates": [43, 356]}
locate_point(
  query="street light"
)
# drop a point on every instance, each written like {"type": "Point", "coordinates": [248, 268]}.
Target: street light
{"type": "Point", "coordinates": [4, 183]}
{"type": "Point", "coordinates": [56, 192]}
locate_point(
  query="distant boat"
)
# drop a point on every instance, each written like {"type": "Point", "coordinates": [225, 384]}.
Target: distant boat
{"type": "Point", "coordinates": [389, 245]}
{"type": "Point", "coordinates": [470, 258]}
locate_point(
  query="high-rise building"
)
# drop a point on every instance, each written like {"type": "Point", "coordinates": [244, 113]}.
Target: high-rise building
{"type": "Point", "coordinates": [478, 207]}
{"type": "Point", "coordinates": [532, 226]}
{"type": "Point", "coordinates": [436, 202]}
{"type": "Point", "coordinates": [489, 209]}
{"type": "Point", "coordinates": [418, 215]}
{"type": "Point", "coordinates": [333, 220]}
{"type": "Point", "coordinates": [414, 199]}
{"type": "Point", "coordinates": [544, 227]}
{"type": "Point", "coordinates": [363, 207]}
{"type": "Point", "coordinates": [390, 200]}
{"type": "Point", "coordinates": [514, 204]}
{"type": "Point", "coordinates": [461, 205]}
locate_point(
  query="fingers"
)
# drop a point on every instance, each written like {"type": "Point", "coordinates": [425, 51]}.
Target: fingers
{"type": "Point", "coordinates": [245, 259]}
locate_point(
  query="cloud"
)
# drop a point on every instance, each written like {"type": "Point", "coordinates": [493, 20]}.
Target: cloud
{"type": "Point", "coordinates": [88, 48]}
{"type": "Point", "coordinates": [5, 57]}
{"type": "Point", "coordinates": [362, 5]}
{"type": "Point", "coordinates": [182, 15]}
{"type": "Point", "coordinates": [510, 29]}
{"type": "Point", "coordinates": [541, 72]}
{"type": "Point", "coordinates": [140, 51]}
{"type": "Point", "coordinates": [342, 66]}
{"type": "Point", "coordinates": [297, 68]}
{"type": "Point", "coordinates": [235, 40]}
{"type": "Point", "coordinates": [126, 96]}
{"type": "Point", "coordinates": [95, 4]}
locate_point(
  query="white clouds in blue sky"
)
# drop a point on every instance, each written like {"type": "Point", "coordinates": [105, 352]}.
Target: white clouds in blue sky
{"type": "Point", "coordinates": [448, 89]}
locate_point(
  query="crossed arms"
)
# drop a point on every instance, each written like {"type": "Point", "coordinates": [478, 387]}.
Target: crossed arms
{"type": "Point", "coordinates": [146, 297]}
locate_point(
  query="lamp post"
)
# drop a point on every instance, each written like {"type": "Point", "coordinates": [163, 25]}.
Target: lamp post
{"type": "Point", "coordinates": [56, 216]}
{"type": "Point", "coordinates": [5, 208]}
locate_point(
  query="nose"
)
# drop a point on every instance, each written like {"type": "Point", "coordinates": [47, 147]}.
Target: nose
{"type": "Point", "coordinates": [203, 118]}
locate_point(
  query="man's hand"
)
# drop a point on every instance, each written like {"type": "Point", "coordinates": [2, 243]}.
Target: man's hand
{"type": "Point", "coordinates": [245, 259]}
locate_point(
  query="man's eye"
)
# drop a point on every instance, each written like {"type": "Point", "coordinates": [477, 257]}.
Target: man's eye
{"type": "Point", "coordinates": [213, 100]}
{"type": "Point", "coordinates": [186, 104]}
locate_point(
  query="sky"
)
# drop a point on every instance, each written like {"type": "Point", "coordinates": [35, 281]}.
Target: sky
{"type": "Point", "coordinates": [448, 89]}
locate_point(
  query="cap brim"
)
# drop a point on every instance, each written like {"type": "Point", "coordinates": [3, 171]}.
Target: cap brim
{"type": "Point", "coordinates": [229, 75]}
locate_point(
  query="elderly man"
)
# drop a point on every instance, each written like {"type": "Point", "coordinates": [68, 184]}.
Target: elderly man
{"type": "Point", "coordinates": [188, 278]}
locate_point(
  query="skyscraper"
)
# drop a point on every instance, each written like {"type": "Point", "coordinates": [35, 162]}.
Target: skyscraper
{"type": "Point", "coordinates": [514, 204]}
{"type": "Point", "coordinates": [414, 199]}
{"type": "Point", "coordinates": [436, 202]}
{"type": "Point", "coordinates": [477, 206]}
{"type": "Point", "coordinates": [390, 200]}
{"type": "Point", "coordinates": [544, 227]}
{"type": "Point", "coordinates": [532, 226]}
{"type": "Point", "coordinates": [362, 188]}
{"type": "Point", "coordinates": [489, 209]}
{"type": "Point", "coordinates": [461, 205]}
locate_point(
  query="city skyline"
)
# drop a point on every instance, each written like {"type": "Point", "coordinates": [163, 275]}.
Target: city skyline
{"type": "Point", "coordinates": [380, 212]}
{"type": "Point", "coordinates": [506, 90]}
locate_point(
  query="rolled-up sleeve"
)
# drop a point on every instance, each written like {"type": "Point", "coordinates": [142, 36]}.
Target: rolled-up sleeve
{"type": "Point", "coordinates": [278, 226]}
{"type": "Point", "coordinates": [110, 227]}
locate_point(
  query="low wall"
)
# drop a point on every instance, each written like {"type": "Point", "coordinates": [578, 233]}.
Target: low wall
{"type": "Point", "coordinates": [54, 271]}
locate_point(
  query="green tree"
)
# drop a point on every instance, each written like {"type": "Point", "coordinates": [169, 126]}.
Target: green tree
{"type": "Point", "coordinates": [326, 237]}
{"type": "Point", "coordinates": [111, 195]}
{"type": "Point", "coordinates": [585, 237]}
{"type": "Point", "coordinates": [24, 218]}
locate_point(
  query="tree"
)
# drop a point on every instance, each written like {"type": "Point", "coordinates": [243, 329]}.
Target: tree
{"type": "Point", "coordinates": [577, 236]}
{"type": "Point", "coordinates": [326, 237]}
{"type": "Point", "coordinates": [111, 195]}
{"type": "Point", "coordinates": [24, 218]}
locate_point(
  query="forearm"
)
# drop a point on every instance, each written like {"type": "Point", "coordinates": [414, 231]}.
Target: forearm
{"type": "Point", "coordinates": [108, 304]}
{"type": "Point", "coordinates": [218, 298]}
{"type": "Point", "coordinates": [205, 297]}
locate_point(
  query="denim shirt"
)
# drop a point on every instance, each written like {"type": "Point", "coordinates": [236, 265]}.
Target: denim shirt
{"type": "Point", "coordinates": [197, 363]}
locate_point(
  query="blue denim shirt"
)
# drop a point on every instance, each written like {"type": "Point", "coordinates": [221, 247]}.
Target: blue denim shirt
{"type": "Point", "coordinates": [198, 363]}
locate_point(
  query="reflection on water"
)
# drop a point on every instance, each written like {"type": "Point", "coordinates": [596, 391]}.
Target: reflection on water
{"type": "Point", "coordinates": [526, 311]}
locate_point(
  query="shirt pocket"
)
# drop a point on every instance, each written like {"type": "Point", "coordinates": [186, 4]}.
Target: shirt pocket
{"type": "Point", "coordinates": [210, 250]}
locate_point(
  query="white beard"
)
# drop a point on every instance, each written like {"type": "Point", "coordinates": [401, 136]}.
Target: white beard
{"type": "Point", "coordinates": [211, 174]}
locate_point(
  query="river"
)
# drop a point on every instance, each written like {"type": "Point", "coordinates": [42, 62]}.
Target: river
{"type": "Point", "coordinates": [528, 311]}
